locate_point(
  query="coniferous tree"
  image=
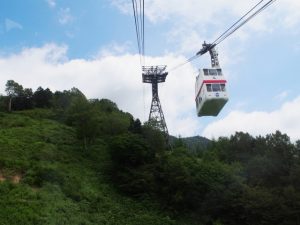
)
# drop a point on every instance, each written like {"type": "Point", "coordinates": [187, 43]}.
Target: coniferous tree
{"type": "Point", "coordinates": [43, 98]}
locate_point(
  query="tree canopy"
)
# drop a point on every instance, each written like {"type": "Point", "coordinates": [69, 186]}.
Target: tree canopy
{"type": "Point", "coordinates": [234, 180]}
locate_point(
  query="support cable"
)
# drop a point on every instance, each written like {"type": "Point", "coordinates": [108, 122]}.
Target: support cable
{"type": "Point", "coordinates": [237, 21]}
{"type": "Point", "coordinates": [232, 29]}
{"type": "Point", "coordinates": [139, 20]}
{"type": "Point", "coordinates": [143, 30]}
{"type": "Point", "coordinates": [246, 21]}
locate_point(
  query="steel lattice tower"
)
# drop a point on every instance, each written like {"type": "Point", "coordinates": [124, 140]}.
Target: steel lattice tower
{"type": "Point", "coordinates": [155, 75]}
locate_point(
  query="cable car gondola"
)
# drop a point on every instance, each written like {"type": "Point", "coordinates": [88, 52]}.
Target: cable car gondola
{"type": "Point", "coordinates": [210, 88]}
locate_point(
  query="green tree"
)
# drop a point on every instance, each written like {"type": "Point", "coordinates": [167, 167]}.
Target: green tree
{"type": "Point", "coordinates": [3, 103]}
{"type": "Point", "coordinates": [13, 89]}
{"type": "Point", "coordinates": [42, 98]}
{"type": "Point", "coordinates": [155, 138]}
{"type": "Point", "coordinates": [132, 164]}
{"type": "Point", "coordinates": [23, 100]}
{"type": "Point", "coordinates": [63, 100]}
{"type": "Point", "coordinates": [135, 126]}
{"type": "Point", "coordinates": [281, 153]}
{"type": "Point", "coordinates": [83, 117]}
{"type": "Point", "coordinates": [111, 121]}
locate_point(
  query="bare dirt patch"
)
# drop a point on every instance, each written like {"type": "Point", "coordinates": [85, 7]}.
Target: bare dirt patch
{"type": "Point", "coordinates": [16, 178]}
{"type": "Point", "coordinates": [2, 178]}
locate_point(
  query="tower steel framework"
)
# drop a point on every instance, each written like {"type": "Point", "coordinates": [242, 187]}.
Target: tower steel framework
{"type": "Point", "coordinates": [154, 75]}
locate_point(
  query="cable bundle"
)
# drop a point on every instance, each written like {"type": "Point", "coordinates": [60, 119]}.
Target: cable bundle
{"type": "Point", "coordinates": [139, 19]}
{"type": "Point", "coordinates": [232, 29]}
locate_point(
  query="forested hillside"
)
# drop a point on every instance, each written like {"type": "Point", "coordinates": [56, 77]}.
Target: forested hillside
{"type": "Point", "coordinates": [65, 159]}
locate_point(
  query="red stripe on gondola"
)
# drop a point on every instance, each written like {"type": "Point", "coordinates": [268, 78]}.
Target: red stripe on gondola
{"type": "Point", "coordinates": [214, 81]}
{"type": "Point", "coordinates": [210, 82]}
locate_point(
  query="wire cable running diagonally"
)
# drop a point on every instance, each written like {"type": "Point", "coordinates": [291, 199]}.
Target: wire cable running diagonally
{"type": "Point", "coordinates": [233, 28]}
{"type": "Point", "coordinates": [238, 21]}
{"type": "Point", "coordinates": [246, 21]}
{"type": "Point", "coordinates": [186, 62]}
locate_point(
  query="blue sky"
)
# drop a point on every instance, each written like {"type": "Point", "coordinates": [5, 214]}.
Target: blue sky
{"type": "Point", "coordinates": [91, 44]}
{"type": "Point", "coordinates": [84, 27]}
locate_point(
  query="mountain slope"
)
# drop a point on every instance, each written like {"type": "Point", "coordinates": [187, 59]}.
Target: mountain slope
{"type": "Point", "coordinates": [47, 178]}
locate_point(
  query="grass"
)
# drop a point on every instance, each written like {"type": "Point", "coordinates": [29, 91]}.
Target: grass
{"type": "Point", "coordinates": [59, 182]}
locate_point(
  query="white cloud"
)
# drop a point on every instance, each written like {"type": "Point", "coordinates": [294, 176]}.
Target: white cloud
{"type": "Point", "coordinates": [282, 96]}
{"type": "Point", "coordinates": [51, 3]}
{"type": "Point", "coordinates": [292, 8]}
{"type": "Point", "coordinates": [123, 5]}
{"type": "Point", "coordinates": [107, 76]}
{"type": "Point", "coordinates": [285, 119]}
{"type": "Point", "coordinates": [10, 25]}
{"type": "Point", "coordinates": [213, 12]}
{"type": "Point", "coordinates": [65, 16]}
{"type": "Point", "coordinates": [194, 21]}
{"type": "Point", "coordinates": [119, 78]}
{"type": "Point", "coordinates": [114, 49]}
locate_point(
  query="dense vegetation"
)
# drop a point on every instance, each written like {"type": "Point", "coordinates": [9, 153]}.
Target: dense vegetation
{"type": "Point", "coordinates": [68, 160]}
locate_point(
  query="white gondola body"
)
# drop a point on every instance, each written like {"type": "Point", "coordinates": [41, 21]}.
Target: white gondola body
{"type": "Point", "coordinates": [211, 92]}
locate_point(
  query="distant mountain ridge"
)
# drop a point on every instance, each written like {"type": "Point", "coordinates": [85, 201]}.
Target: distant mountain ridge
{"type": "Point", "coordinates": [194, 144]}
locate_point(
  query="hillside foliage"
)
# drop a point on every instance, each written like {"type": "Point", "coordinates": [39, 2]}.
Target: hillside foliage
{"type": "Point", "coordinates": [65, 159]}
